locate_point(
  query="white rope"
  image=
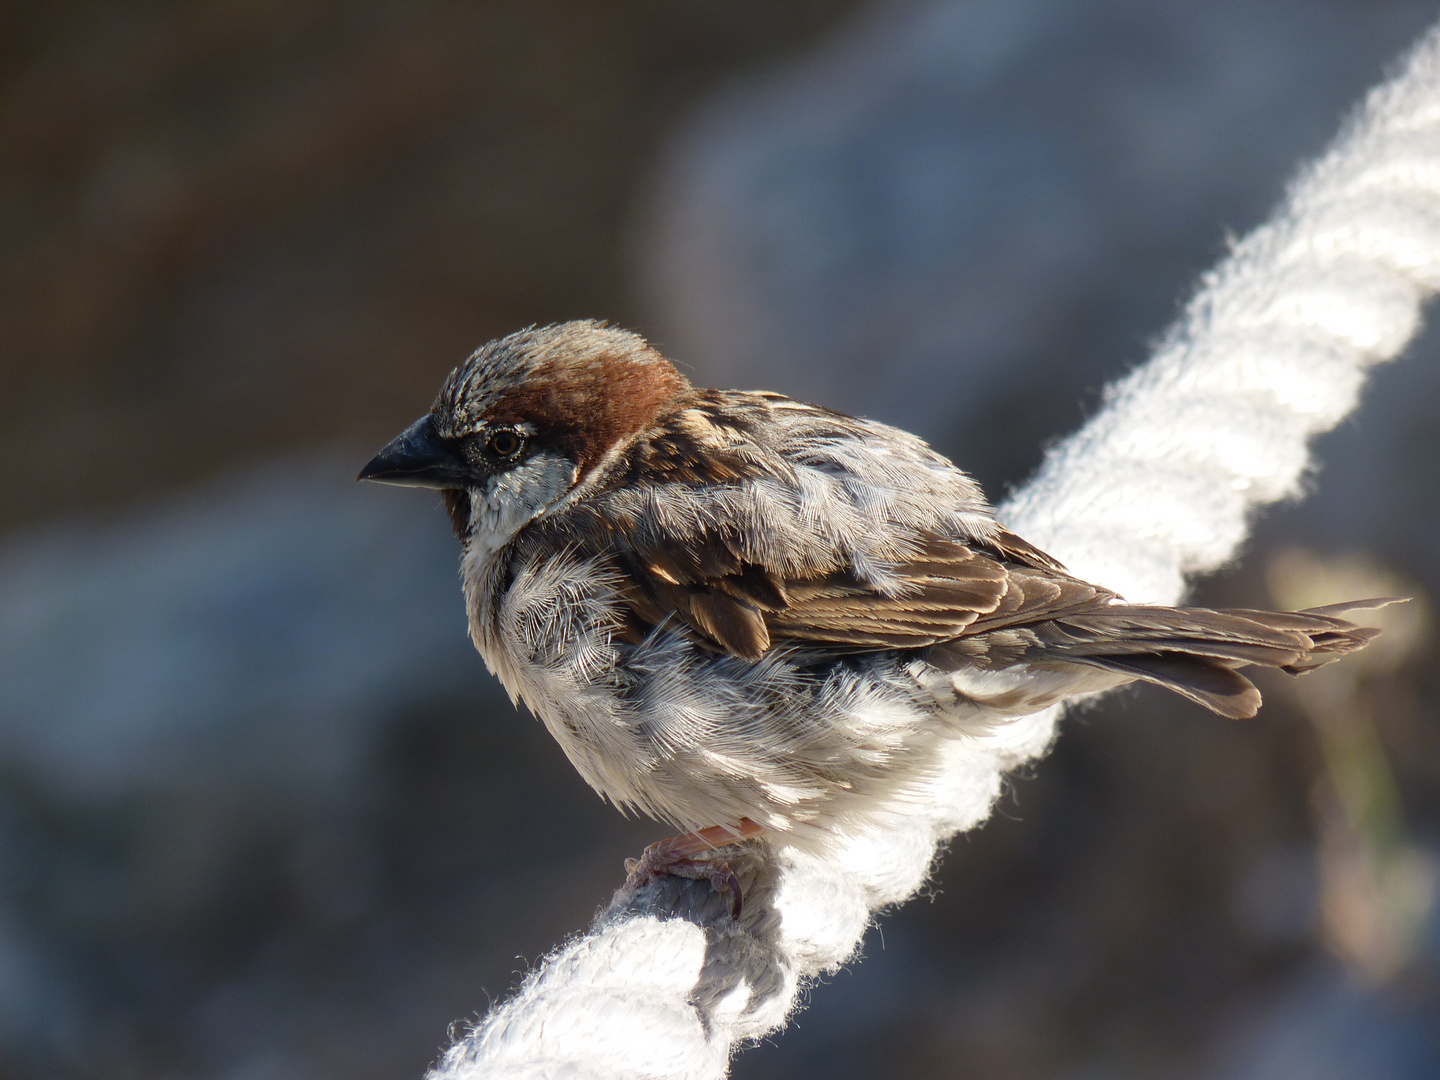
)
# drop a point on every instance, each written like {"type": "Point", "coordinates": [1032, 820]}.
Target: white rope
{"type": "Point", "coordinates": [1271, 351]}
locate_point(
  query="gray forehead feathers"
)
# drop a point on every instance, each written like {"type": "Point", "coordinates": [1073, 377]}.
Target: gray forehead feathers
{"type": "Point", "coordinates": [496, 368]}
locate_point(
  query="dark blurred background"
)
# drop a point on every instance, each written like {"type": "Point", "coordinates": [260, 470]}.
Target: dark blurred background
{"type": "Point", "coordinates": [263, 815]}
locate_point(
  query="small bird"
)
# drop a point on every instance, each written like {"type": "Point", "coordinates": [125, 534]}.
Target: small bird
{"type": "Point", "coordinates": [748, 616]}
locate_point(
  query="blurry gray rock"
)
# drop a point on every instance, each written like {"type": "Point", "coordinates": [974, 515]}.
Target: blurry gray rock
{"type": "Point", "coordinates": [963, 216]}
{"type": "Point", "coordinates": [257, 633]}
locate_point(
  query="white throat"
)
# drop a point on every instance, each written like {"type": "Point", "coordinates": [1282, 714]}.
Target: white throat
{"type": "Point", "coordinates": [512, 500]}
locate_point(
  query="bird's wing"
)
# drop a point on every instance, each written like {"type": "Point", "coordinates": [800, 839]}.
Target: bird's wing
{"type": "Point", "coordinates": [944, 590]}
{"type": "Point", "coordinates": [749, 521]}
{"type": "Point", "coordinates": [948, 590]}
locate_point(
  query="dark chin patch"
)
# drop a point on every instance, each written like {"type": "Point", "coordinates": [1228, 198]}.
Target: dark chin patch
{"type": "Point", "coordinates": [457, 508]}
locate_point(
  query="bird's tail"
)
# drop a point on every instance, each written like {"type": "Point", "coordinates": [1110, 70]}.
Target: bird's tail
{"type": "Point", "coordinates": [1195, 651]}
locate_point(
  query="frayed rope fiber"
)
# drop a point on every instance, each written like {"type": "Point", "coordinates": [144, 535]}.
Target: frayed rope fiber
{"type": "Point", "coordinates": [1272, 351]}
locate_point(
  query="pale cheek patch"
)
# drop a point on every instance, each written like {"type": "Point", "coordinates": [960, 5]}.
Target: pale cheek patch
{"type": "Point", "coordinates": [515, 498]}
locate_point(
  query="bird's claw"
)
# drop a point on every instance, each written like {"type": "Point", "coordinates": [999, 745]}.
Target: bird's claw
{"type": "Point", "coordinates": [658, 861]}
{"type": "Point", "coordinates": [641, 872]}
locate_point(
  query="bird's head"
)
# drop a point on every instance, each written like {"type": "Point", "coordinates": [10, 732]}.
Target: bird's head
{"type": "Point", "coordinates": [525, 421]}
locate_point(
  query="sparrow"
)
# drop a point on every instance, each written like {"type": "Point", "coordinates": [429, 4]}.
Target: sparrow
{"type": "Point", "coordinates": [749, 616]}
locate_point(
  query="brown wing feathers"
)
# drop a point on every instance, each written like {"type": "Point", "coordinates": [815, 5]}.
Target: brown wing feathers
{"type": "Point", "coordinates": [997, 602]}
{"type": "Point", "coordinates": [953, 592]}
{"type": "Point", "coordinates": [725, 612]}
{"type": "Point", "coordinates": [1215, 686]}
{"type": "Point", "coordinates": [744, 609]}
{"type": "Point", "coordinates": [1194, 651]}
{"type": "Point", "coordinates": [940, 595]}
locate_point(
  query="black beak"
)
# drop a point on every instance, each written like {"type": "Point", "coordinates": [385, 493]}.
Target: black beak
{"type": "Point", "coordinates": [417, 458]}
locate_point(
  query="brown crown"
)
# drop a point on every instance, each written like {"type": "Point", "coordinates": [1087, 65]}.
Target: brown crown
{"type": "Point", "coordinates": [583, 386]}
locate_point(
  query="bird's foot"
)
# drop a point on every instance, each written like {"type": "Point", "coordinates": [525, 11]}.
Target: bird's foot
{"type": "Point", "coordinates": [680, 856]}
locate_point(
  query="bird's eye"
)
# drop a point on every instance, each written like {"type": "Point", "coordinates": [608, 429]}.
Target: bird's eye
{"type": "Point", "coordinates": [504, 444]}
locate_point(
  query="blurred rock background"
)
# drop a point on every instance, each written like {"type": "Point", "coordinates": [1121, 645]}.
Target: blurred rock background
{"type": "Point", "coordinates": [264, 816]}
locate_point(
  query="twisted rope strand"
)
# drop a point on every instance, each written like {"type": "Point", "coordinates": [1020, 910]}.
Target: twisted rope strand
{"type": "Point", "coordinates": [1271, 351]}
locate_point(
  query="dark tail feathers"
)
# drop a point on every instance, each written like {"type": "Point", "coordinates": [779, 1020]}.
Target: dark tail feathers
{"type": "Point", "coordinates": [1195, 651]}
